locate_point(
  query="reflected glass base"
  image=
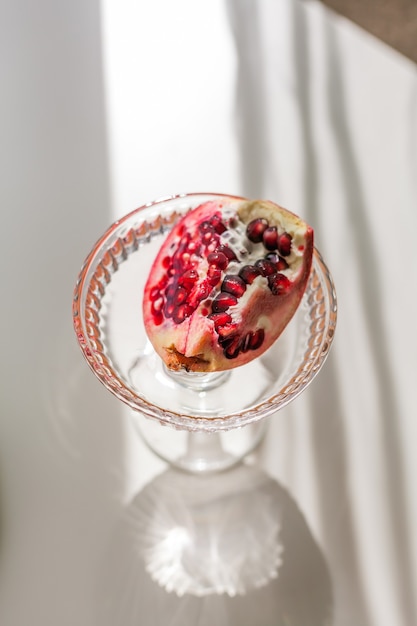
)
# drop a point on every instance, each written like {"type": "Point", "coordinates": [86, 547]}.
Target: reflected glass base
{"type": "Point", "coordinates": [214, 549]}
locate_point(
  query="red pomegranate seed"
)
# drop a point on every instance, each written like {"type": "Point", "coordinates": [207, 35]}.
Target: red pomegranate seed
{"type": "Point", "coordinates": [154, 293]}
{"type": "Point", "coordinates": [169, 309]}
{"type": "Point", "coordinates": [223, 301]}
{"type": "Point", "coordinates": [234, 285]}
{"type": "Point", "coordinates": [157, 305]}
{"type": "Point", "coordinates": [218, 259]}
{"type": "Point", "coordinates": [181, 313]}
{"type": "Point", "coordinates": [196, 248]}
{"type": "Point", "coordinates": [228, 252]}
{"type": "Point", "coordinates": [202, 291]}
{"type": "Point", "coordinates": [270, 238]}
{"type": "Point", "coordinates": [180, 295]}
{"type": "Point", "coordinates": [158, 318]}
{"type": "Point", "coordinates": [273, 257]}
{"type": "Point", "coordinates": [220, 319]}
{"type": "Point", "coordinates": [249, 273]}
{"type": "Point", "coordinates": [217, 224]}
{"type": "Point", "coordinates": [255, 229]}
{"type": "Point", "coordinates": [279, 262]}
{"type": "Point", "coordinates": [231, 347]}
{"type": "Point", "coordinates": [232, 351]}
{"type": "Point", "coordinates": [213, 275]}
{"type": "Point", "coordinates": [227, 330]}
{"type": "Point", "coordinates": [256, 339]}
{"type": "Point", "coordinates": [207, 237]}
{"type": "Point", "coordinates": [244, 346]}
{"type": "Point", "coordinates": [282, 264]}
{"type": "Point", "coordinates": [265, 267]}
{"type": "Point", "coordinates": [284, 244]}
{"type": "Point", "coordinates": [279, 284]}
{"type": "Point", "coordinates": [166, 262]}
{"type": "Point", "coordinates": [188, 279]}
{"type": "Point", "coordinates": [170, 292]}
{"type": "Point", "coordinates": [205, 227]}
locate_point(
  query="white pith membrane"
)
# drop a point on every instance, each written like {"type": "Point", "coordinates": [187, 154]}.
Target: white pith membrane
{"type": "Point", "coordinates": [195, 344]}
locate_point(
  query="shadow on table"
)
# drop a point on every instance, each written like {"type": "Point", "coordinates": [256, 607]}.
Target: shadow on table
{"type": "Point", "coordinates": [222, 549]}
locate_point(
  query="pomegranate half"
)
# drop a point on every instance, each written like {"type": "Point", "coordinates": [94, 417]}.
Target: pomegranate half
{"type": "Point", "coordinates": [225, 283]}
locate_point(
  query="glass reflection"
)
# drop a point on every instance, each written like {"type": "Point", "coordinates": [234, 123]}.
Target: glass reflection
{"type": "Point", "coordinates": [228, 549]}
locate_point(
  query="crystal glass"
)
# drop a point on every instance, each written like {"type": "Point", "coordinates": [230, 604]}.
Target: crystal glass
{"type": "Point", "coordinates": [214, 419]}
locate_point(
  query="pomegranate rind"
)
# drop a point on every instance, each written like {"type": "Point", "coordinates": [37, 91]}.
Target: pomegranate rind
{"type": "Point", "coordinates": [194, 343]}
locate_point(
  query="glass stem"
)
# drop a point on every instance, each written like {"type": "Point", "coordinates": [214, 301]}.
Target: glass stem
{"type": "Point", "coordinates": [198, 381]}
{"type": "Point", "coordinates": [204, 449]}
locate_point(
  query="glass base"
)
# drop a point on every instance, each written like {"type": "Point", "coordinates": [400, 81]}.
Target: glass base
{"type": "Point", "coordinates": [200, 452]}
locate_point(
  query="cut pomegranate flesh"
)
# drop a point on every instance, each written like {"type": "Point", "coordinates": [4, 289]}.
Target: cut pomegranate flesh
{"type": "Point", "coordinates": [225, 283]}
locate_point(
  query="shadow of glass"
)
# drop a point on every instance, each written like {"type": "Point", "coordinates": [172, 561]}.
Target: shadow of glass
{"type": "Point", "coordinates": [57, 199]}
{"type": "Point", "coordinates": [230, 548]}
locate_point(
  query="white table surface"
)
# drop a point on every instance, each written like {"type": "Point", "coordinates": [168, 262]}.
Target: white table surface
{"type": "Point", "coordinates": [108, 105]}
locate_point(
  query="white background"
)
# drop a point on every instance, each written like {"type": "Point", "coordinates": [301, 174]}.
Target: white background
{"type": "Point", "coordinates": [109, 105]}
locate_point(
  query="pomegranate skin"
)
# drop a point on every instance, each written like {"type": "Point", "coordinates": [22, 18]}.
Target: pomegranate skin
{"type": "Point", "coordinates": [196, 311]}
